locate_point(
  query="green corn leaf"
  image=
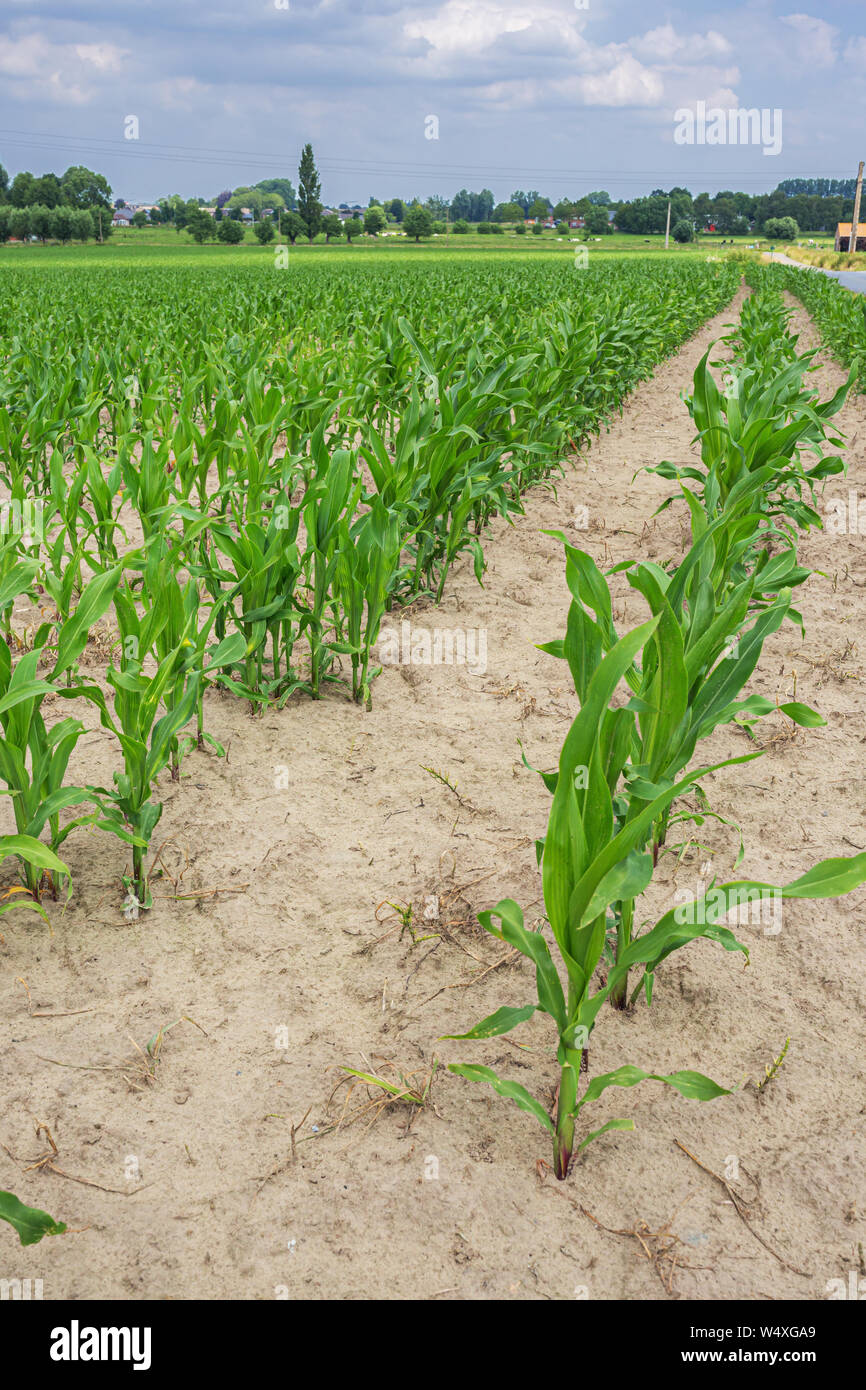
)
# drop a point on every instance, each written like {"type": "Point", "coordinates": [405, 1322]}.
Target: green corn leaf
{"type": "Point", "coordinates": [502, 1021]}
{"type": "Point", "coordinates": [691, 1084]}
{"type": "Point", "coordinates": [30, 1223]}
{"type": "Point", "coordinates": [531, 944]}
{"type": "Point", "coordinates": [509, 1089]}
{"type": "Point", "coordinates": [611, 1124]}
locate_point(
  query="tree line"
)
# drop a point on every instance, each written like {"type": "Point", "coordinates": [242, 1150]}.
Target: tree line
{"type": "Point", "coordinates": [77, 205]}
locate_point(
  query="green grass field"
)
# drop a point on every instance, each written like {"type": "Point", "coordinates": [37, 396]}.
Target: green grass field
{"type": "Point", "coordinates": [155, 246]}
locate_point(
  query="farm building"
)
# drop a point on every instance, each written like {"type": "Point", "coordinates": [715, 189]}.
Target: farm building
{"type": "Point", "coordinates": [843, 237]}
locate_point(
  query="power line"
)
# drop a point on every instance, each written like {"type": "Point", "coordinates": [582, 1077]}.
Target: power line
{"type": "Point", "coordinates": [191, 155]}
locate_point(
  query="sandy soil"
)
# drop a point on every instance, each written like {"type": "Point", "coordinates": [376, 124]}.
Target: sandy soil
{"type": "Point", "coordinates": [187, 1182]}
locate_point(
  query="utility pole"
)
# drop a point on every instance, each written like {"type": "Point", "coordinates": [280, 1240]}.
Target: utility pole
{"type": "Point", "coordinates": [668, 227]}
{"type": "Point", "coordinates": [855, 220]}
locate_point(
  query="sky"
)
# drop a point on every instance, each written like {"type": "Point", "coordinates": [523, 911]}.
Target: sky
{"type": "Point", "coordinates": [406, 99]}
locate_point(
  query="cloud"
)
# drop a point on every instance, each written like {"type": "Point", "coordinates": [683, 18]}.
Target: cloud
{"type": "Point", "coordinates": [182, 93]}
{"type": "Point", "coordinates": [468, 28]}
{"type": "Point", "coordinates": [626, 83]}
{"type": "Point", "coordinates": [106, 57]}
{"type": "Point", "coordinates": [665, 45]}
{"type": "Point", "coordinates": [51, 71]}
{"type": "Point", "coordinates": [816, 39]}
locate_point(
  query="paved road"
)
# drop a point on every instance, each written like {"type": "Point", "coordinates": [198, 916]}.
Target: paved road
{"type": "Point", "coordinates": [851, 279]}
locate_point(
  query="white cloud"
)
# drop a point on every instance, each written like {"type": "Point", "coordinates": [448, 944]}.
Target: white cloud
{"type": "Point", "coordinates": [463, 28]}
{"type": "Point", "coordinates": [458, 29]}
{"type": "Point", "coordinates": [627, 83]}
{"type": "Point", "coordinates": [816, 39]}
{"type": "Point", "coordinates": [52, 71]}
{"type": "Point", "coordinates": [106, 57]}
{"type": "Point", "coordinates": [855, 50]}
{"type": "Point", "coordinates": [182, 93]}
{"type": "Point", "coordinates": [665, 45]}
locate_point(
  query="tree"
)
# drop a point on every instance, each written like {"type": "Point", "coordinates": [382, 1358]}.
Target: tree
{"type": "Point", "coordinates": [61, 222]}
{"type": "Point", "coordinates": [525, 200]}
{"type": "Point", "coordinates": [100, 223]}
{"type": "Point", "coordinates": [47, 191]}
{"type": "Point", "coordinates": [21, 192]}
{"type": "Point", "coordinates": [82, 225]}
{"type": "Point", "coordinates": [18, 223]}
{"type": "Point", "coordinates": [600, 199]}
{"type": "Point", "coordinates": [781, 229]}
{"type": "Point", "coordinates": [537, 229]}
{"type": "Point", "coordinates": [396, 209]}
{"type": "Point", "coordinates": [245, 198]}
{"type": "Point", "coordinates": [418, 223]}
{"type": "Point", "coordinates": [332, 226]}
{"type": "Point", "coordinates": [284, 189]}
{"type": "Point", "coordinates": [264, 231]}
{"type": "Point", "coordinates": [374, 220]}
{"type": "Point", "coordinates": [461, 227]}
{"type": "Point", "coordinates": [440, 228]}
{"type": "Point", "coordinates": [39, 221]}
{"type": "Point", "coordinates": [539, 208]}
{"type": "Point", "coordinates": [200, 225]}
{"type": "Point", "coordinates": [353, 227]}
{"type": "Point", "coordinates": [481, 206]}
{"type": "Point", "coordinates": [563, 210]}
{"type": "Point", "coordinates": [222, 198]}
{"type": "Point", "coordinates": [508, 212]}
{"type": "Point", "coordinates": [84, 189]}
{"type": "Point", "coordinates": [461, 206]}
{"type": "Point", "coordinates": [597, 223]}
{"type": "Point", "coordinates": [230, 232]}
{"type": "Point", "coordinates": [5, 214]}
{"type": "Point", "coordinates": [139, 219]}
{"type": "Point", "coordinates": [683, 231]}
{"type": "Point", "coordinates": [293, 227]}
{"type": "Point", "coordinates": [309, 188]}
{"type": "Point", "coordinates": [4, 184]}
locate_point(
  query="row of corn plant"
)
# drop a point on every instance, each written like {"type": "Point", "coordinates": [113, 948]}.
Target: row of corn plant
{"type": "Point", "coordinates": [242, 510]}
{"type": "Point", "coordinates": [622, 765]}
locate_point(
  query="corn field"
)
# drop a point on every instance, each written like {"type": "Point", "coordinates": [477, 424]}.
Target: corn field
{"type": "Point", "coordinates": [218, 488]}
{"type": "Point", "coordinates": [241, 476]}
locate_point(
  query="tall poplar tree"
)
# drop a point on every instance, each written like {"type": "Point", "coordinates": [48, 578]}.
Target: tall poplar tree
{"type": "Point", "coordinates": [309, 188]}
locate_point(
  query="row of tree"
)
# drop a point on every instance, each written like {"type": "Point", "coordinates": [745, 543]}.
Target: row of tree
{"type": "Point", "coordinates": [60, 223]}
{"type": "Point", "coordinates": [77, 188]}
{"type": "Point", "coordinates": [814, 205]}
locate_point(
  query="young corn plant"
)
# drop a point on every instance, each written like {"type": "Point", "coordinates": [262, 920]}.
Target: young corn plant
{"type": "Point", "coordinates": [33, 756]}
{"type": "Point", "coordinates": [686, 685]}
{"type": "Point", "coordinates": [587, 865]}
{"type": "Point", "coordinates": [368, 559]}
{"type": "Point", "coordinates": [146, 736]}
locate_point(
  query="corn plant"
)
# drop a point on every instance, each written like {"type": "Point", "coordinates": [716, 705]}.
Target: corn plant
{"type": "Point", "coordinates": [146, 737]}
{"type": "Point", "coordinates": [687, 683]}
{"type": "Point", "coordinates": [587, 865]}
{"type": "Point", "coordinates": [33, 756]}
